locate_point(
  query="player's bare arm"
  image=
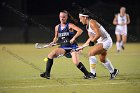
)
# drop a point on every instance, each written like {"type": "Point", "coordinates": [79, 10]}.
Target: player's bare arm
{"type": "Point", "coordinates": [95, 27]}
{"type": "Point", "coordinates": [56, 34]}
{"type": "Point", "coordinates": [89, 39]}
{"type": "Point", "coordinates": [115, 22]}
{"type": "Point", "coordinates": [79, 31]}
{"type": "Point", "coordinates": [128, 19]}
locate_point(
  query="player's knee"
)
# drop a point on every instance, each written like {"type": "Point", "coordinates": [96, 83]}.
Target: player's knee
{"type": "Point", "coordinates": [52, 54]}
{"type": "Point", "coordinates": [91, 54]}
{"type": "Point", "coordinates": [124, 42]}
{"type": "Point", "coordinates": [119, 40]}
{"type": "Point", "coordinates": [76, 62]}
{"type": "Point", "coordinates": [102, 59]}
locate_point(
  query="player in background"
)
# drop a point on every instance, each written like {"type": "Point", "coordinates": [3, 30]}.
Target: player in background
{"type": "Point", "coordinates": [65, 36]}
{"type": "Point", "coordinates": [97, 34]}
{"type": "Point", "coordinates": [121, 20]}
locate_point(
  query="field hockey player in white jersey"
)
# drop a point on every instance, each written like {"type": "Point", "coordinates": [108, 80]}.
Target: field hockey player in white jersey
{"type": "Point", "coordinates": [121, 20]}
{"type": "Point", "coordinates": [97, 34]}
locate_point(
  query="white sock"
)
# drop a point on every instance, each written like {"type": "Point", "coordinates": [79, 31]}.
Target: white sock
{"type": "Point", "coordinates": [109, 65]}
{"type": "Point", "coordinates": [118, 45]}
{"type": "Point", "coordinates": [121, 43]}
{"type": "Point", "coordinates": [92, 61]}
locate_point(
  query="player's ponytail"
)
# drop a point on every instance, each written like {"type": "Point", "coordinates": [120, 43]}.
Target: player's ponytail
{"type": "Point", "coordinates": [70, 17]}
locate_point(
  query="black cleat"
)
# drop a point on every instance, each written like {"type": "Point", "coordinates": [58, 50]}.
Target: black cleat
{"type": "Point", "coordinates": [114, 74]}
{"type": "Point", "coordinates": [44, 75]}
{"type": "Point", "coordinates": [94, 75]}
{"type": "Point", "coordinates": [90, 76]}
{"type": "Point", "coordinates": [118, 51]}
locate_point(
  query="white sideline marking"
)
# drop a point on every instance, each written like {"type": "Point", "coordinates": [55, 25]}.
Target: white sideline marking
{"type": "Point", "coordinates": [44, 86]}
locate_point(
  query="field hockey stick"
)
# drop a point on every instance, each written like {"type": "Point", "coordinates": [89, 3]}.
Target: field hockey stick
{"type": "Point", "coordinates": [77, 49]}
{"type": "Point", "coordinates": [81, 47]}
{"type": "Point", "coordinates": [40, 46]}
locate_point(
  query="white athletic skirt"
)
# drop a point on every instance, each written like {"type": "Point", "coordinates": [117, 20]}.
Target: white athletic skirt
{"type": "Point", "coordinates": [121, 30]}
{"type": "Point", "coordinates": [107, 43]}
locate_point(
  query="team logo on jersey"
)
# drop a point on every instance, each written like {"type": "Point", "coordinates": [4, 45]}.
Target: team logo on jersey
{"type": "Point", "coordinates": [64, 34]}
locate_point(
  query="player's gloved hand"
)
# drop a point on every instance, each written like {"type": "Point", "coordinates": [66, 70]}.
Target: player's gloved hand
{"type": "Point", "coordinates": [91, 43]}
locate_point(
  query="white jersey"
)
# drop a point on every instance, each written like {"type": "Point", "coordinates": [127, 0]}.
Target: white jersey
{"type": "Point", "coordinates": [122, 19]}
{"type": "Point", "coordinates": [121, 29]}
{"type": "Point", "coordinates": [105, 38]}
{"type": "Point", "coordinates": [103, 32]}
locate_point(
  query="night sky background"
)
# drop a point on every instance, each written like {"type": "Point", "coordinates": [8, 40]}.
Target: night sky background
{"type": "Point", "coordinates": [25, 16]}
{"type": "Point", "coordinates": [52, 6]}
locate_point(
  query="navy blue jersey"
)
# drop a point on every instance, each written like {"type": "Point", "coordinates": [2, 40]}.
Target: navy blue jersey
{"type": "Point", "coordinates": [64, 37]}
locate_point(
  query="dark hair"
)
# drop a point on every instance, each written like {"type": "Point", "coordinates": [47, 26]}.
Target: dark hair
{"type": "Point", "coordinates": [84, 11]}
{"type": "Point", "coordinates": [91, 15]}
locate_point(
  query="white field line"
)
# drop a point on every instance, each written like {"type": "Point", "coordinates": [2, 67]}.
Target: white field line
{"type": "Point", "coordinates": [44, 86]}
{"type": "Point", "coordinates": [127, 54]}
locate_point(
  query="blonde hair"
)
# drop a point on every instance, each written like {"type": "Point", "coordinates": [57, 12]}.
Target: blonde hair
{"type": "Point", "coordinates": [70, 16]}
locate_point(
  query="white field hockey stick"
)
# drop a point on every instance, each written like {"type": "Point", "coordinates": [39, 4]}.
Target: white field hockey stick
{"type": "Point", "coordinates": [77, 49]}
{"type": "Point", "coordinates": [81, 47]}
{"type": "Point", "coordinates": [40, 46]}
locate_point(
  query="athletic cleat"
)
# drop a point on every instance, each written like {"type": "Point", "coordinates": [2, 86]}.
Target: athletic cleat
{"type": "Point", "coordinates": [90, 76]}
{"type": "Point", "coordinates": [44, 75]}
{"type": "Point", "coordinates": [94, 75]}
{"type": "Point", "coordinates": [118, 51]}
{"type": "Point", "coordinates": [114, 74]}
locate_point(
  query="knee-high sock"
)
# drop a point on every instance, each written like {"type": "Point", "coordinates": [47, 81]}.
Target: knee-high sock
{"type": "Point", "coordinates": [49, 66]}
{"type": "Point", "coordinates": [118, 46]}
{"type": "Point", "coordinates": [92, 62]}
{"type": "Point", "coordinates": [109, 65]}
{"type": "Point", "coordinates": [121, 43]}
{"type": "Point", "coordinates": [81, 67]}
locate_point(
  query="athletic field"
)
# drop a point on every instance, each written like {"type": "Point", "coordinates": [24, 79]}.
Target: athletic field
{"type": "Point", "coordinates": [21, 65]}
